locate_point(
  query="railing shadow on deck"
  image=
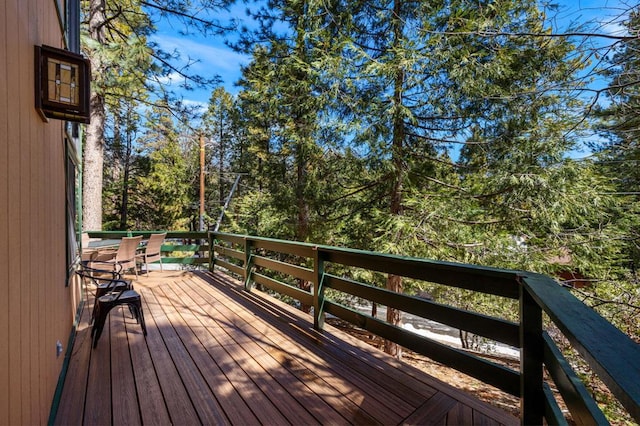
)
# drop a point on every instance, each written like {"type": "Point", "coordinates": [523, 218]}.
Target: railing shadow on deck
{"type": "Point", "coordinates": [278, 265]}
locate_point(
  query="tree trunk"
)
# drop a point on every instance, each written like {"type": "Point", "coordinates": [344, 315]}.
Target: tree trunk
{"type": "Point", "coordinates": [94, 143]}
{"type": "Point", "coordinates": [394, 282]}
{"type": "Point", "coordinates": [302, 222]}
{"type": "Point", "coordinates": [303, 125]}
{"type": "Point", "coordinates": [124, 208]}
{"type": "Point", "coordinates": [221, 194]}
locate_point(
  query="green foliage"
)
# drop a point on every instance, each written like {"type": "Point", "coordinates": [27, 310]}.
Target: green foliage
{"type": "Point", "coordinates": [619, 156]}
{"type": "Point", "coordinates": [440, 129]}
{"type": "Point", "coordinates": [283, 108]}
{"type": "Point", "coordinates": [375, 163]}
{"type": "Point", "coordinates": [618, 298]}
{"type": "Point", "coordinates": [162, 200]}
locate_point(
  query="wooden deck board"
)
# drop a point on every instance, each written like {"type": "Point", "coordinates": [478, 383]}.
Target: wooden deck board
{"type": "Point", "coordinates": [249, 358]}
{"type": "Point", "coordinates": [204, 353]}
{"type": "Point", "coordinates": [123, 386]}
{"type": "Point", "coordinates": [241, 367]}
{"type": "Point", "coordinates": [366, 396]}
{"type": "Point", "coordinates": [97, 405]}
{"type": "Point", "coordinates": [215, 354]}
{"type": "Point", "coordinates": [232, 403]}
{"type": "Point", "coordinates": [175, 394]}
{"type": "Point", "coordinates": [153, 409]}
{"type": "Point", "coordinates": [202, 397]}
{"type": "Point", "coordinates": [77, 373]}
{"type": "Point", "coordinates": [460, 414]}
{"type": "Point", "coordinates": [300, 378]}
{"type": "Point", "coordinates": [433, 411]}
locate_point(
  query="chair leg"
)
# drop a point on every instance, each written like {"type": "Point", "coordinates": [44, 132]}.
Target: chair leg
{"type": "Point", "coordinates": [101, 313]}
{"type": "Point", "coordinates": [92, 320]}
{"type": "Point", "coordinates": [136, 307]}
{"type": "Point", "coordinates": [132, 311]}
{"type": "Point", "coordinates": [140, 317]}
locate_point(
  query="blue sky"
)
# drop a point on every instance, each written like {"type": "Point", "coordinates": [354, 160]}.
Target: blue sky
{"type": "Point", "coordinates": [215, 58]}
{"type": "Point", "coordinates": [213, 55]}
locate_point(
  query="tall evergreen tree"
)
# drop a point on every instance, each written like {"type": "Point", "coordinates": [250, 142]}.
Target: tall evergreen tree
{"type": "Point", "coordinates": [219, 129]}
{"type": "Point", "coordinates": [162, 199]}
{"type": "Point", "coordinates": [284, 77]}
{"type": "Point", "coordinates": [618, 157]}
{"type": "Point", "coordinates": [121, 164]}
{"type": "Point", "coordinates": [620, 124]}
{"type": "Point", "coordinates": [421, 79]}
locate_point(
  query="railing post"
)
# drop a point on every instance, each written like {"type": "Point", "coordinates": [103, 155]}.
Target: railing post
{"type": "Point", "coordinates": [531, 360]}
{"type": "Point", "coordinates": [318, 290]}
{"type": "Point", "coordinates": [212, 255]}
{"type": "Point", "coordinates": [248, 259]}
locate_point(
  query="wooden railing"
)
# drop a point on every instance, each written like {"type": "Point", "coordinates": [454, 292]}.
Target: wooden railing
{"type": "Point", "coordinates": [613, 356]}
{"type": "Point", "coordinates": [281, 265]}
{"type": "Point", "coordinates": [180, 247]}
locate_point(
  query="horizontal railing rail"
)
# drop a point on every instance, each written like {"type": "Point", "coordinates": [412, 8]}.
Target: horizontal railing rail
{"type": "Point", "coordinates": [305, 271]}
{"type": "Point", "coordinates": [176, 242]}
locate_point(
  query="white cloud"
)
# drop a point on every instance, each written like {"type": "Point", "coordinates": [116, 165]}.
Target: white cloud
{"type": "Point", "coordinates": [614, 28]}
{"type": "Point", "coordinates": [200, 107]}
{"type": "Point", "coordinates": [172, 78]}
{"type": "Point", "coordinates": [212, 58]}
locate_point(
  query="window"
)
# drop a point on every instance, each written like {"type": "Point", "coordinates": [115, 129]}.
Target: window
{"type": "Point", "coordinates": [73, 226]}
{"type": "Point", "coordinates": [69, 19]}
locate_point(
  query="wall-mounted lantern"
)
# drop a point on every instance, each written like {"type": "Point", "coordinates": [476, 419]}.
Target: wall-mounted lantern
{"type": "Point", "coordinates": [62, 84]}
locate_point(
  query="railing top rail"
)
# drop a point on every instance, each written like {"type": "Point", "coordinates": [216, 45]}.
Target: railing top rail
{"type": "Point", "coordinates": [223, 235]}
{"type": "Point", "coordinates": [480, 270]}
{"type": "Point", "coordinates": [617, 362]}
{"type": "Point", "coordinates": [501, 282]}
{"type": "Point", "coordinates": [146, 234]}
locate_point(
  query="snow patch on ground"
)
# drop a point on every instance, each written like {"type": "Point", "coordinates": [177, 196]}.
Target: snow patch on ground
{"type": "Point", "coordinates": [441, 332]}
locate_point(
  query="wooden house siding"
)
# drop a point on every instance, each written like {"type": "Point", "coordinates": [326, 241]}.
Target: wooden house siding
{"type": "Point", "coordinates": [36, 307]}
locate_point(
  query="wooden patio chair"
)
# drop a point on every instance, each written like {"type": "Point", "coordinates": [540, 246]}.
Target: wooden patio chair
{"type": "Point", "coordinates": [152, 251]}
{"type": "Point", "coordinates": [124, 257]}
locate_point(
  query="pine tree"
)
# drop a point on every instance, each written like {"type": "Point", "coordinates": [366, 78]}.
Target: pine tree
{"type": "Point", "coordinates": [122, 164]}
{"type": "Point", "coordinates": [283, 79]}
{"type": "Point", "coordinates": [162, 199]}
{"type": "Point", "coordinates": [620, 123]}
{"type": "Point", "coordinates": [419, 80]}
{"type": "Point", "coordinates": [618, 158]}
{"type": "Point", "coordinates": [220, 131]}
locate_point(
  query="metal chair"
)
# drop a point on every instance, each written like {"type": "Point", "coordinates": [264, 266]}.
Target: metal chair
{"type": "Point", "coordinates": [110, 300]}
{"type": "Point", "coordinates": [103, 280]}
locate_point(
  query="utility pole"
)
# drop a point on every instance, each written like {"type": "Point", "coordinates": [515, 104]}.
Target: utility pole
{"type": "Point", "coordinates": [228, 200]}
{"type": "Point", "coordinates": [201, 182]}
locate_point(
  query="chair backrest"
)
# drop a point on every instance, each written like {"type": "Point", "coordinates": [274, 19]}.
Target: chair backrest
{"type": "Point", "coordinates": [127, 249]}
{"type": "Point", "coordinates": [85, 240]}
{"type": "Point", "coordinates": [155, 243]}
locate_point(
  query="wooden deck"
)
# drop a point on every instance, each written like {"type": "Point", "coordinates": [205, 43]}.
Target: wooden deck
{"type": "Point", "coordinates": [215, 354]}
